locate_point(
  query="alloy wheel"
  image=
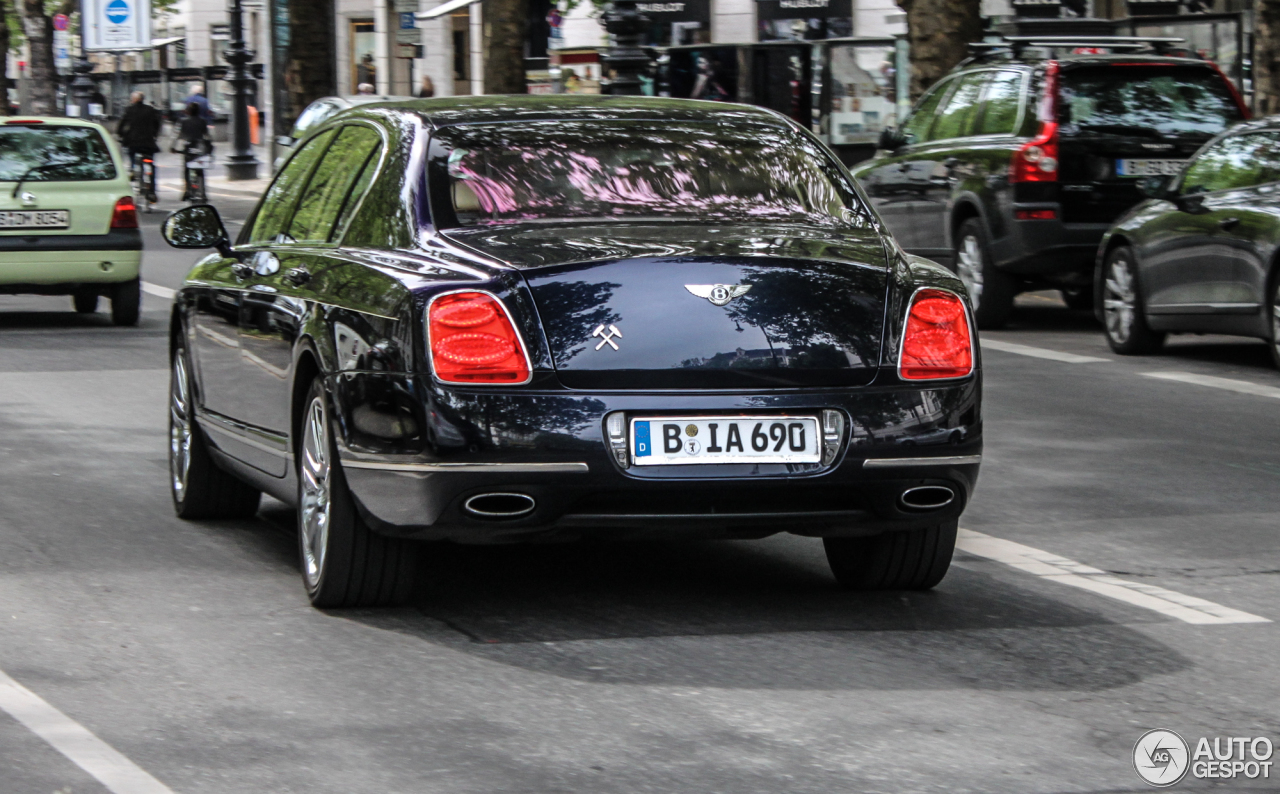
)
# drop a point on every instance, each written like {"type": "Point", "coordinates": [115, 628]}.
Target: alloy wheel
{"type": "Point", "coordinates": [180, 429]}
{"type": "Point", "coordinates": [969, 268]}
{"type": "Point", "coordinates": [316, 476]}
{"type": "Point", "coordinates": [1120, 301]}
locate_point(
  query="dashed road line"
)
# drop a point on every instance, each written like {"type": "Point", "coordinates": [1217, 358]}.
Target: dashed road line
{"type": "Point", "coordinates": [158, 291]}
{"type": "Point", "coordinates": [106, 764]}
{"type": "Point", "coordinates": [1046, 565]}
{"type": "Point", "coordinates": [1040, 352]}
{"type": "Point", "coordinates": [1230, 384]}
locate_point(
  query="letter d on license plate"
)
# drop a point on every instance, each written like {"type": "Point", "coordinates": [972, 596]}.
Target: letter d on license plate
{"type": "Point", "coordinates": [685, 440]}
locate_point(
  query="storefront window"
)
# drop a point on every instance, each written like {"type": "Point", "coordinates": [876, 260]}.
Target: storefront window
{"type": "Point", "coordinates": [862, 93]}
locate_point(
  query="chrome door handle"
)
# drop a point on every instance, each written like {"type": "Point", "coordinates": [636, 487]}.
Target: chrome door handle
{"type": "Point", "coordinates": [1228, 223]}
{"type": "Point", "coordinates": [297, 276]}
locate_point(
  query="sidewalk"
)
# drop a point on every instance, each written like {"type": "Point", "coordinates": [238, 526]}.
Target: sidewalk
{"type": "Point", "coordinates": [169, 167]}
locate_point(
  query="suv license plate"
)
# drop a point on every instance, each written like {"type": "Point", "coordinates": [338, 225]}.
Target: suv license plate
{"type": "Point", "coordinates": [1149, 167]}
{"type": "Point", "coordinates": [684, 440]}
{"type": "Point", "coordinates": [35, 219]}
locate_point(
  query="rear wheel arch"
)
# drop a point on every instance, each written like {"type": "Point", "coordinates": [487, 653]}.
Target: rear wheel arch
{"type": "Point", "coordinates": [305, 370]}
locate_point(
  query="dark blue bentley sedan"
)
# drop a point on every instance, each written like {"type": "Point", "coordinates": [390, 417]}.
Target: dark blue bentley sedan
{"type": "Point", "coordinates": [503, 319]}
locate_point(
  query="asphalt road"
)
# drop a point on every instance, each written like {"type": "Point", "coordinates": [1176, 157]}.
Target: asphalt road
{"type": "Point", "coordinates": [737, 667]}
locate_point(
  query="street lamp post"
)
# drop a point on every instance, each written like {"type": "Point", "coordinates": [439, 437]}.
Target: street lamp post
{"type": "Point", "coordinates": [242, 164]}
{"type": "Point", "coordinates": [82, 86]}
{"type": "Point", "coordinates": [625, 57]}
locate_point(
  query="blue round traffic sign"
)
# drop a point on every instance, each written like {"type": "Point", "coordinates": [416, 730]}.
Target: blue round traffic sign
{"type": "Point", "coordinates": [117, 12]}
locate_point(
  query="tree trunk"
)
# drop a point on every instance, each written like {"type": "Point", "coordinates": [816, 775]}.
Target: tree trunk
{"type": "Point", "coordinates": [43, 83]}
{"type": "Point", "coordinates": [939, 32]}
{"type": "Point", "coordinates": [4, 49]}
{"type": "Point", "coordinates": [309, 70]}
{"type": "Point", "coordinates": [504, 24]}
{"type": "Point", "coordinates": [1266, 57]}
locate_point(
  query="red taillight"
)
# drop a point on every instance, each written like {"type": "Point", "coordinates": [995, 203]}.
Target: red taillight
{"type": "Point", "coordinates": [937, 342]}
{"type": "Point", "coordinates": [125, 215]}
{"type": "Point", "coordinates": [1037, 160]}
{"type": "Point", "coordinates": [1035, 215]}
{"type": "Point", "coordinates": [472, 341]}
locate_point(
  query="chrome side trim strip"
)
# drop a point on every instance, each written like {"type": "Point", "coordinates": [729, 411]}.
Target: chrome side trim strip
{"type": "Point", "coordinates": [893, 463]}
{"type": "Point", "coordinates": [491, 468]}
{"type": "Point", "coordinates": [254, 437]}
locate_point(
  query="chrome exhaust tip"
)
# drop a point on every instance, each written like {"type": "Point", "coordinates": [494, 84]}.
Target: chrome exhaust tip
{"type": "Point", "coordinates": [500, 505]}
{"type": "Point", "coordinates": [927, 497]}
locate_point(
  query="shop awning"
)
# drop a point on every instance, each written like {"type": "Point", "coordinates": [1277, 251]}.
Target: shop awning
{"type": "Point", "coordinates": [444, 8]}
{"type": "Point", "coordinates": [166, 42]}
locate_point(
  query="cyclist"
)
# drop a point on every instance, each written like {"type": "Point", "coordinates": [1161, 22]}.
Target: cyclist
{"type": "Point", "coordinates": [193, 143]}
{"type": "Point", "coordinates": [138, 130]}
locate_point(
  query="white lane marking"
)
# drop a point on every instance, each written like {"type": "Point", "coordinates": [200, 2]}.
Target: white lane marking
{"type": "Point", "coordinates": [1040, 352]}
{"type": "Point", "coordinates": [158, 291]}
{"type": "Point", "coordinates": [1230, 384]}
{"type": "Point", "coordinates": [1069, 572]}
{"type": "Point", "coordinates": [104, 762]}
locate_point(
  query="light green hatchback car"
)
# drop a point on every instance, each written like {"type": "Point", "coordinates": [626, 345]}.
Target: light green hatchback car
{"type": "Point", "coordinates": [68, 223]}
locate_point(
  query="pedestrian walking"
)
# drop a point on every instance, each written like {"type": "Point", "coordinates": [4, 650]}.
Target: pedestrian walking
{"type": "Point", "coordinates": [428, 88]}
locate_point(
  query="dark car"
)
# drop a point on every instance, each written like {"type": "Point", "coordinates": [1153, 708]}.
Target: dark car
{"type": "Point", "coordinates": [496, 319]}
{"type": "Point", "coordinates": [1202, 254]}
{"type": "Point", "coordinates": [1010, 169]}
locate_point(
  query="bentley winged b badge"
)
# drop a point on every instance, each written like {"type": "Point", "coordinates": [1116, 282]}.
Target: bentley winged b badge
{"type": "Point", "coordinates": [719, 294]}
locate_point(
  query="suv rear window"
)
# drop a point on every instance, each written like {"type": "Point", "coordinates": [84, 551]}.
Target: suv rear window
{"type": "Point", "coordinates": [1140, 99]}
{"type": "Point", "coordinates": [54, 153]}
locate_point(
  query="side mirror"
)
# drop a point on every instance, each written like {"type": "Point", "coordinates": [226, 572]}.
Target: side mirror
{"type": "Point", "coordinates": [198, 226]}
{"type": "Point", "coordinates": [1156, 187]}
{"type": "Point", "coordinates": [891, 139]}
{"type": "Point", "coordinates": [1191, 202]}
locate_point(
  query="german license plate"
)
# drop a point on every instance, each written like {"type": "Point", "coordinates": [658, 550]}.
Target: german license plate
{"type": "Point", "coordinates": [35, 219]}
{"type": "Point", "coordinates": [683, 440]}
{"type": "Point", "coordinates": [1149, 167]}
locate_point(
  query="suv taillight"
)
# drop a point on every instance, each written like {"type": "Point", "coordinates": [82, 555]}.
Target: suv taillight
{"type": "Point", "coordinates": [937, 342]}
{"type": "Point", "coordinates": [125, 215]}
{"type": "Point", "coordinates": [472, 340]}
{"type": "Point", "coordinates": [1037, 160]}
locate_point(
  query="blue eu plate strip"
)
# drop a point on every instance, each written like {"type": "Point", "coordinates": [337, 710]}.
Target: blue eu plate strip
{"type": "Point", "coordinates": [643, 447]}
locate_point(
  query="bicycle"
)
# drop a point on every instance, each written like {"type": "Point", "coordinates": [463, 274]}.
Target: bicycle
{"type": "Point", "coordinates": [145, 182]}
{"type": "Point", "coordinates": [197, 158]}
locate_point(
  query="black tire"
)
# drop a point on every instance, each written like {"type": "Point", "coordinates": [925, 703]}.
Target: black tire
{"type": "Point", "coordinates": [344, 563]}
{"type": "Point", "coordinates": [991, 292]}
{"type": "Point", "coordinates": [907, 560]}
{"type": "Point", "coordinates": [1078, 298]}
{"type": "Point", "coordinates": [84, 301]}
{"type": "Point", "coordinates": [126, 302]}
{"type": "Point", "coordinates": [1124, 318]}
{"type": "Point", "coordinates": [1273, 310]}
{"type": "Point", "coordinates": [199, 488]}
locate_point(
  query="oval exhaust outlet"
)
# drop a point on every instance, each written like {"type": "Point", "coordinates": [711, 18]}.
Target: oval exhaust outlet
{"type": "Point", "coordinates": [500, 505]}
{"type": "Point", "coordinates": [927, 497]}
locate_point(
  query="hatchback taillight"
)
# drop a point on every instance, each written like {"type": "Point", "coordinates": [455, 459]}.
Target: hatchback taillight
{"type": "Point", "coordinates": [125, 215]}
{"type": "Point", "coordinates": [937, 342]}
{"type": "Point", "coordinates": [472, 340]}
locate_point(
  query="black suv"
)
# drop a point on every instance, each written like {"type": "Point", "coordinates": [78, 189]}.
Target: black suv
{"type": "Point", "coordinates": [1010, 169]}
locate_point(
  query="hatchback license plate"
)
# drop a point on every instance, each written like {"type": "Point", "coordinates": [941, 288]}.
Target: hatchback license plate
{"type": "Point", "coordinates": [35, 219]}
{"type": "Point", "coordinates": [1149, 167]}
{"type": "Point", "coordinates": [683, 440]}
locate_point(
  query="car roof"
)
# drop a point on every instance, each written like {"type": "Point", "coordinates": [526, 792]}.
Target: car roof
{"type": "Point", "coordinates": [1077, 59]}
{"type": "Point", "coordinates": [61, 121]}
{"type": "Point", "coordinates": [575, 107]}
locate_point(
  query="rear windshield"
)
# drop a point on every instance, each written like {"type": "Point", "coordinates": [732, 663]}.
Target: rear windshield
{"type": "Point", "coordinates": [52, 153]}
{"type": "Point", "coordinates": [1146, 100]}
{"type": "Point", "coordinates": [518, 173]}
